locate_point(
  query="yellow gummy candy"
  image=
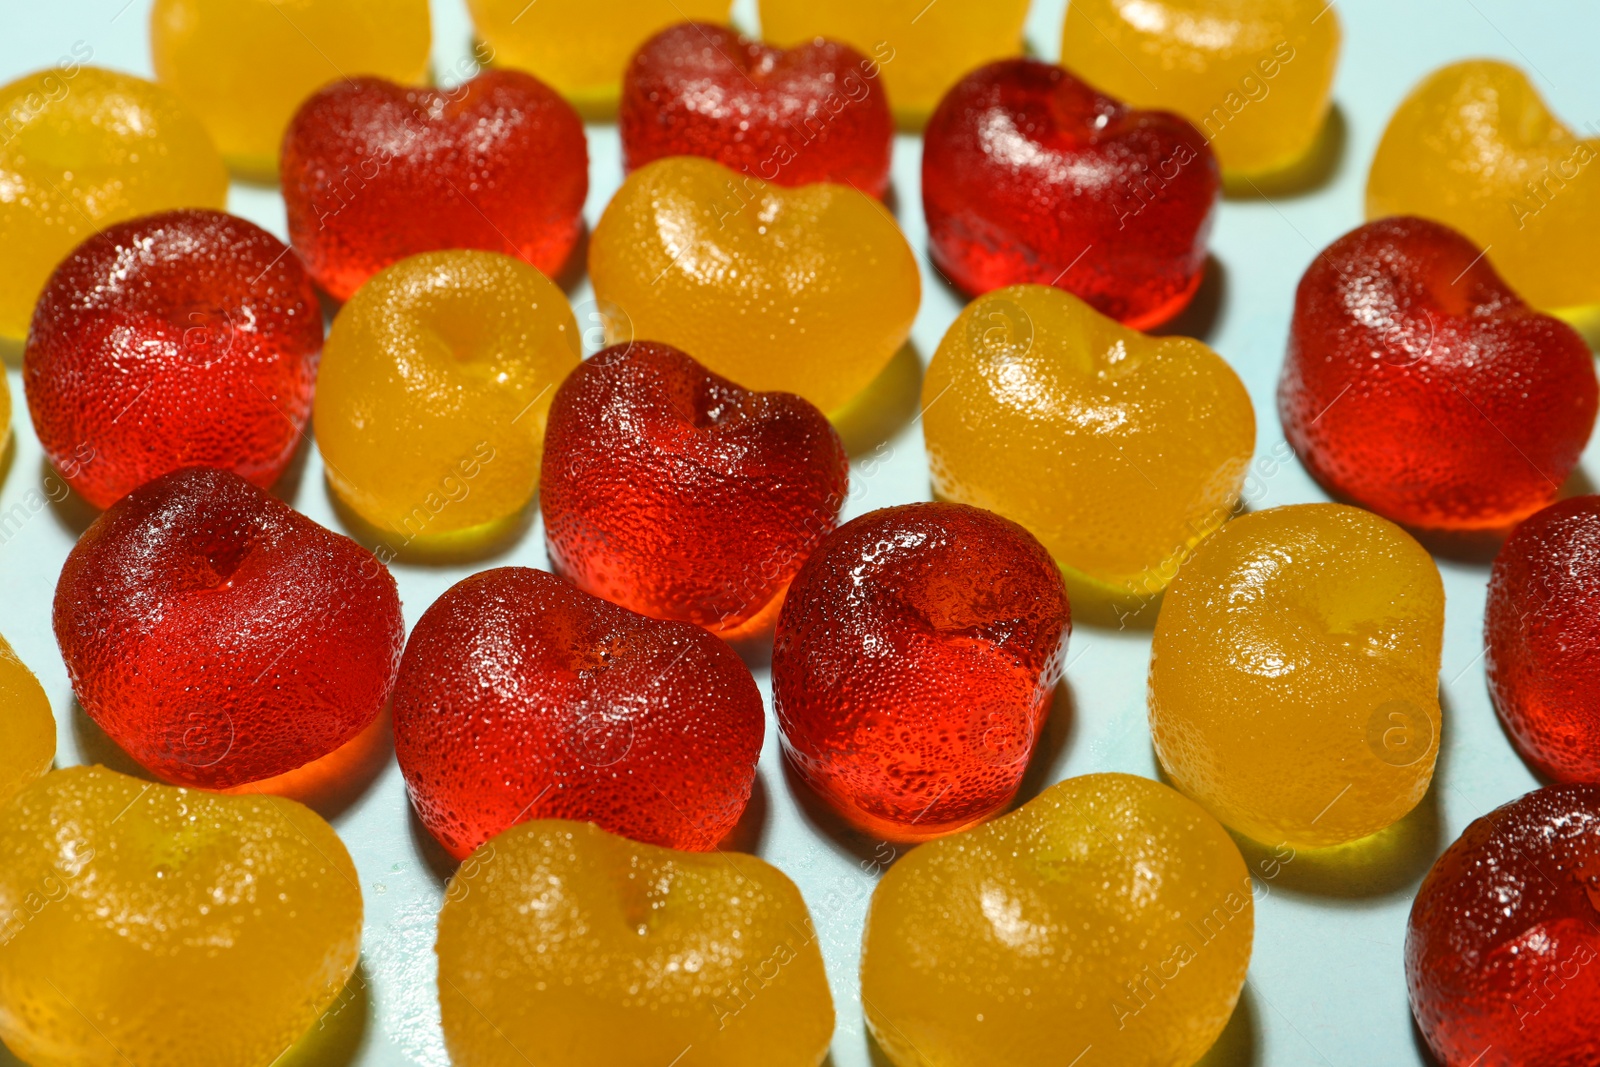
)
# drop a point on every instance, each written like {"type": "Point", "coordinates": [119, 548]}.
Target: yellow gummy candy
{"type": "Point", "coordinates": [27, 729]}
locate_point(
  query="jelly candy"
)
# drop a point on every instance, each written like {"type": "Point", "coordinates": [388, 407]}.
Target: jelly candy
{"type": "Point", "coordinates": [373, 172]}
{"type": "Point", "coordinates": [1543, 635]}
{"type": "Point", "coordinates": [1394, 390]}
{"type": "Point", "coordinates": [1475, 147]}
{"type": "Point", "coordinates": [243, 66]}
{"type": "Point", "coordinates": [808, 291]}
{"type": "Point", "coordinates": [84, 148]}
{"type": "Point", "coordinates": [1108, 913]}
{"type": "Point", "coordinates": [1502, 941]}
{"type": "Point", "coordinates": [431, 401]}
{"type": "Point", "coordinates": [559, 943]}
{"type": "Point", "coordinates": [1253, 75]}
{"type": "Point", "coordinates": [581, 46]}
{"type": "Point", "coordinates": [914, 664]}
{"type": "Point", "coordinates": [27, 730]}
{"type": "Point", "coordinates": [171, 340]}
{"type": "Point", "coordinates": [1294, 674]}
{"type": "Point", "coordinates": [221, 637]}
{"type": "Point", "coordinates": [921, 48]}
{"type": "Point", "coordinates": [521, 697]}
{"type": "Point", "coordinates": [814, 113]}
{"type": "Point", "coordinates": [142, 924]}
{"type": "Point", "coordinates": [1120, 452]}
{"type": "Point", "coordinates": [675, 493]}
{"type": "Point", "coordinates": [1074, 190]}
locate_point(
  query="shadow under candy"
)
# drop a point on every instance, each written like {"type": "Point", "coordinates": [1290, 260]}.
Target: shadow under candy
{"type": "Point", "coordinates": [478, 544]}
{"type": "Point", "coordinates": [1308, 174]}
{"type": "Point", "coordinates": [339, 1036]}
{"type": "Point", "coordinates": [885, 407]}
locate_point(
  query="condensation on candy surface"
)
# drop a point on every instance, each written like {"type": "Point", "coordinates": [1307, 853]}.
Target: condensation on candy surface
{"type": "Point", "coordinates": [27, 729]}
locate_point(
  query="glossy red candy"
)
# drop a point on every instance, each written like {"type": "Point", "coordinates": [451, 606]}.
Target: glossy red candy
{"type": "Point", "coordinates": [373, 172]}
{"type": "Point", "coordinates": [1503, 947]}
{"type": "Point", "coordinates": [1417, 384]}
{"type": "Point", "coordinates": [813, 113]}
{"type": "Point", "coordinates": [188, 337]}
{"type": "Point", "coordinates": [680, 495]}
{"type": "Point", "coordinates": [1030, 175]}
{"type": "Point", "coordinates": [523, 698]}
{"type": "Point", "coordinates": [914, 664]}
{"type": "Point", "coordinates": [221, 637]}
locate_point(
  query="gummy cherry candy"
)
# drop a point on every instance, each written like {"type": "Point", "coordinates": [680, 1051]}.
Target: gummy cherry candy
{"type": "Point", "coordinates": [373, 172]}
{"type": "Point", "coordinates": [1502, 942]}
{"type": "Point", "coordinates": [145, 924]}
{"type": "Point", "coordinates": [521, 697]}
{"type": "Point", "coordinates": [814, 113]}
{"type": "Point", "coordinates": [169, 341]}
{"type": "Point", "coordinates": [221, 637]}
{"type": "Point", "coordinates": [677, 494]}
{"type": "Point", "coordinates": [915, 659]}
{"type": "Point", "coordinates": [1030, 175]}
{"type": "Point", "coordinates": [1419, 385]}
{"type": "Point", "coordinates": [27, 729]}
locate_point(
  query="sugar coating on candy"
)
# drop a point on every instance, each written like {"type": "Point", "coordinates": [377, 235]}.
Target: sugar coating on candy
{"type": "Point", "coordinates": [373, 172]}
{"type": "Point", "coordinates": [521, 698]}
{"type": "Point", "coordinates": [1418, 384]}
{"type": "Point", "coordinates": [1030, 175]}
{"type": "Point", "coordinates": [1112, 899]}
{"type": "Point", "coordinates": [85, 148]}
{"type": "Point", "coordinates": [184, 338]}
{"type": "Point", "coordinates": [147, 924]}
{"type": "Point", "coordinates": [813, 113]}
{"type": "Point", "coordinates": [675, 493]}
{"type": "Point", "coordinates": [1502, 944]}
{"type": "Point", "coordinates": [27, 729]}
{"type": "Point", "coordinates": [221, 637]}
{"type": "Point", "coordinates": [915, 660]}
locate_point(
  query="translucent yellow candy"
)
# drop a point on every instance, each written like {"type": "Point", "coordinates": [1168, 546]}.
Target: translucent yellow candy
{"type": "Point", "coordinates": [1475, 147]}
{"type": "Point", "coordinates": [1252, 75]}
{"type": "Point", "coordinates": [808, 290]}
{"type": "Point", "coordinates": [82, 148]}
{"type": "Point", "coordinates": [244, 66]}
{"type": "Point", "coordinates": [27, 729]}
{"type": "Point", "coordinates": [921, 48]}
{"type": "Point", "coordinates": [1294, 674]}
{"type": "Point", "coordinates": [562, 944]}
{"type": "Point", "coordinates": [435, 382]}
{"type": "Point", "coordinates": [142, 924]}
{"type": "Point", "coordinates": [1109, 916]}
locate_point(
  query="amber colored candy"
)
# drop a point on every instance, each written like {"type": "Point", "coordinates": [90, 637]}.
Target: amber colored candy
{"type": "Point", "coordinates": [27, 729]}
{"type": "Point", "coordinates": [243, 66]}
{"type": "Point", "coordinates": [808, 291]}
{"type": "Point", "coordinates": [84, 148]}
{"type": "Point", "coordinates": [143, 924]}
{"type": "Point", "coordinates": [435, 382]}
{"type": "Point", "coordinates": [1475, 146]}
{"type": "Point", "coordinates": [677, 494]}
{"type": "Point", "coordinates": [1254, 76]}
{"type": "Point", "coordinates": [1108, 914]}
{"type": "Point", "coordinates": [1294, 674]}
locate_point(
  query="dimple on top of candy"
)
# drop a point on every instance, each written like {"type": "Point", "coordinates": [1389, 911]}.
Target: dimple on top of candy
{"type": "Point", "coordinates": [27, 729]}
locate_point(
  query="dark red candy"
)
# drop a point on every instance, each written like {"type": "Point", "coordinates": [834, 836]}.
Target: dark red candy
{"type": "Point", "coordinates": [914, 664]}
{"type": "Point", "coordinates": [373, 172]}
{"type": "Point", "coordinates": [813, 113]}
{"type": "Point", "coordinates": [1503, 947]}
{"type": "Point", "coordinates": [1419, 385]}
{"type": "Point", "coordinates": [522, 698]}
{"type": "Point", "coordinates": [678, 494]}
{"type": "Point", "coordinates": [1031, 176]}
{"type": "Point", "coordinates": [188, 337]}
{"type": "Point", "coordinates": [221, 637]}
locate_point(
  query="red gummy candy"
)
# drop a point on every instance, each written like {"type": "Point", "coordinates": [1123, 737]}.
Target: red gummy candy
{"type": "Point", "coordinates": [184, 338]}
{"type": "Point", "coordinates": [680, 495]}
{"type": "Point", "coordinates": [914, 664]}
{"type": "Point", "coordinates": [1542, 629]}
{"type": "Point", "coordinates": [373, 172]}
{"type": "Point", "coordinates": [522, 698]}
{"type": "Point", "coordinates": [813, 113]}
{"type": "Point", "coordinates": [1419, 385]}
{"type": "Point", "coordinates": [1030, 175]}
{"type": "Point", "coordinates": [221, 637]}
{"type": "Point", "coordinates": [1501, 949]}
